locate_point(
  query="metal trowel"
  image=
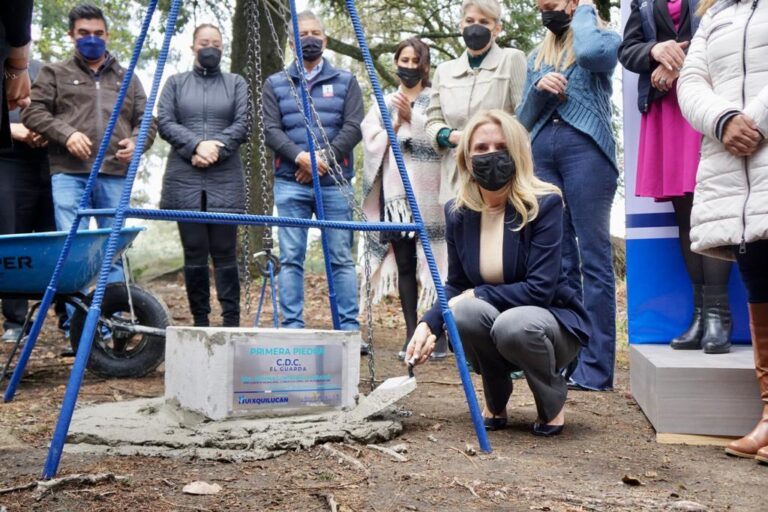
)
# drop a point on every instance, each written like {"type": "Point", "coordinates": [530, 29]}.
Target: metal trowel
{"type": "Point", "coordinates": [389, 392]}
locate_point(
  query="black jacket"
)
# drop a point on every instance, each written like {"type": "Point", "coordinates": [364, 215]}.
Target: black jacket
{"type": "Point", "coordinates": [650, 23]}
{"type": "Point", "coordinates": [15, 31]}
{"type": "Point", "coordinates": [195, 106]}
{"type": "Point", "coordinates": [22, 150]}
{"type": "Point", "coordinates": [533, 274]}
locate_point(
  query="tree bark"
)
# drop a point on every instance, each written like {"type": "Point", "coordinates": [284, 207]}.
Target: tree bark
{"type": "Point", "coordinates": [271, 63]}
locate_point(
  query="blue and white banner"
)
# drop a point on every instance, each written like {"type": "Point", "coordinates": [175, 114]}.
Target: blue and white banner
{"type": "Point", "coordinates": [659, 297]}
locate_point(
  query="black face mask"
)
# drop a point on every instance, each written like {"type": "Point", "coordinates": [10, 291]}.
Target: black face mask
{"type": "Point", "coordinates": [556, 22]}
{"type": "Point", "coordinates": [476, 36]}
{"type": "Point", "coordinates": [410, 77]}
{"type": "Point", "coordinates": [311, 48]}
{"type": "Point", "coordinates": [492, 171]}
{"type": "Point", "coordinates": [209, 57]}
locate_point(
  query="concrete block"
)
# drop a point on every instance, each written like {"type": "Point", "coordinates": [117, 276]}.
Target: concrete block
{"type": "Point", "coordinates": [690, 392]}
{"type": "Point", "coordinates": [224, 373]}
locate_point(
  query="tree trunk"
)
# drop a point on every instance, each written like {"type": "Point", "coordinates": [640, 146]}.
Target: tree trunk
{"type": "Point", "coordinates": [271, 63]}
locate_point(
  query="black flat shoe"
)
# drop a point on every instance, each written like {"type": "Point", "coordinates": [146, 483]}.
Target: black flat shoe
{"type": "Point", "coordinates": [492, 424]}
{"type": "Point", "coordinates": [543, 430]}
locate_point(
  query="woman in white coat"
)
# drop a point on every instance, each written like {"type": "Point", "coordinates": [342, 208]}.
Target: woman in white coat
{"type": "Point", "coordinates": [723, 91]}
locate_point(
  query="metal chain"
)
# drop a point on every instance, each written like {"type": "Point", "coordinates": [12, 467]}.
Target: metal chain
{"type": "Point", "coordinates": [256, 121]}
{"type": "Point", "coordinates": [248, 153]}
{"type": "Point", "coordinates": [336, 173]}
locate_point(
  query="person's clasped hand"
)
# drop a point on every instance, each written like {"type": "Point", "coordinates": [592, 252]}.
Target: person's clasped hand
{"type": "Point", "coordinates": [303, 163]}
{"type": "Point", "coordinates": [553, 83]}
{"type": "Point", "coordinates": [125, 153]}
{"type": "Point", "coordinates": [207, 152]}
{"type": "Point", "coordinates": [421, 345]}
{"type": "Point", "coordinates": [742, 136]}
{"type": "Point", "coordinates": [670, 54]}
{"type": "Point", "coordinates": [23, 134]}
{"type": "Point", "coordinates": [79, 145]}
{"type": "Point", "coordinates": [402, 106]}
{"type": "Point", "coordinates": [663, 79]}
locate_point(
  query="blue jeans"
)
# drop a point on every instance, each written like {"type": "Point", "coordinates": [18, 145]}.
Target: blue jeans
{"type": "Point", "coordinates": [293, 199]}
{"type": "Point", "coordinates": [571, 160]}
{"type": "Point", "coordinates": [68, 189]}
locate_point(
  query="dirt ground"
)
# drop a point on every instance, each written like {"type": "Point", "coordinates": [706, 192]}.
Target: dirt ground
{"type": "Point", "coordinates": [606, 459]}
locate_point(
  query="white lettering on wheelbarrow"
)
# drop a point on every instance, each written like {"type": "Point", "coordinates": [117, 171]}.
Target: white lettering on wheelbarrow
{"type": "Point", "coordinates": [15, 262]}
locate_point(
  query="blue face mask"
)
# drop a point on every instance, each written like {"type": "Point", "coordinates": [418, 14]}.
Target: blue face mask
{"type": "Point", "coordinates": [91, 47]}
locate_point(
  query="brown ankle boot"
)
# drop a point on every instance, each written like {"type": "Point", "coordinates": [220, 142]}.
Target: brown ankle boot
{"type": "Point", "coordinates": [749, 445]}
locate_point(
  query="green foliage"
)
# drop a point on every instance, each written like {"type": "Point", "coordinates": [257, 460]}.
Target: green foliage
{"type": "Point", "coordinates": [389, 21]}
{"type": "Point", "coordinates": [124, 18]}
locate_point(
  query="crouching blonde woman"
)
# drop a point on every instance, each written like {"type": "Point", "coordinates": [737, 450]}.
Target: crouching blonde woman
{"type": "Point", "coordinates": [506, 287]}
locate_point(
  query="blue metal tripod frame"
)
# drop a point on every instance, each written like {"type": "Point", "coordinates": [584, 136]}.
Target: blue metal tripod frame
{"type": "Point", "coordinates": [122, 212]}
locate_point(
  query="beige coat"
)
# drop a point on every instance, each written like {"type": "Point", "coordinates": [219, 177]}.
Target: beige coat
{"type": "Point", "coordinates": [458, 92]}
{"type": "Point", "coordinates": [730, 205]}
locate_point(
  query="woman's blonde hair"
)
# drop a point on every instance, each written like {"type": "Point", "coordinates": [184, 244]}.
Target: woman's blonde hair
{"type": "Point", "coordinates": [490, 8]}
{"type": "Point", "coordinates": [524, 189]}
{"type": "Point", "coordinates": [556, 51]}
{"type": "Point", "coordinates": [703, 7]}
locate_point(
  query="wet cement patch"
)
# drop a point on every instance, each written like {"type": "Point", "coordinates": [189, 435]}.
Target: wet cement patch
{"type": "Point", "coordinates": [157, 427]}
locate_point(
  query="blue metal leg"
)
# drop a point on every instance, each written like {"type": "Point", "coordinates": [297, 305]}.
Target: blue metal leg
{"type": "Point", "coordinates": [91, 321]}
{"type": "Point", "coordinates": [70, 395]}
{"type": "Point", "coordinates": [257, 320]}
{"type": "Point", "coordinates": [273, 289]}
{"type": "Point", "coordinates": [466, 381]}
{"type": "Point", "coordinates": [26, 351]}
{"type": "Point", "coordinates": [313, 160]}
{"type": "Point", "coordinates": [50, 292]}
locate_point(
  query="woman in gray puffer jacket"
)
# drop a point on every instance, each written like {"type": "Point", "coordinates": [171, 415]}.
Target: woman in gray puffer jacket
{"type": "Point", "coordinates": [202, 114]}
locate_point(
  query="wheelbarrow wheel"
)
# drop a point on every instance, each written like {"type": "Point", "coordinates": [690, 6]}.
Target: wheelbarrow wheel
{"type": "Point", "coordinates": [116, 352]}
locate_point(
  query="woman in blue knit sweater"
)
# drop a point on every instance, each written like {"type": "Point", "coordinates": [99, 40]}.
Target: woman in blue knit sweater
{"type": "Point", "coordinates": [567, 108]}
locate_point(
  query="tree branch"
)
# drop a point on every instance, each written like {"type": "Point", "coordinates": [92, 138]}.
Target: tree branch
{"type": "Point", "coordinates": [354, 52]}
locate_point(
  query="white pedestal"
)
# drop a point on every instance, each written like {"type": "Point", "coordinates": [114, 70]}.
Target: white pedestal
{"type": "Point", "coordinates": [223, 373]}
{"type": "Point", "coordinates": [690, 392]}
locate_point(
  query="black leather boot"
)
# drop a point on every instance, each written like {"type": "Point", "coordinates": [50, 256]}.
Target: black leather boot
{"type": "Point", "coordinates": [717, 320]}
{"type": "Point", "coordinates": [691, 338]}
{"type": "Point", "coordinates": [228, 291]}
{"type": "Point", "coordinates": [198, 287]}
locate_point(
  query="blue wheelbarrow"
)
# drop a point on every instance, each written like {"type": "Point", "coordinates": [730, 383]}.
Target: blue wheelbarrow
{"type": "Point", "coordinates": [130, 338]}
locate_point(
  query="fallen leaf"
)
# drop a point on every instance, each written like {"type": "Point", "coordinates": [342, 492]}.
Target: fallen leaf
{"type": "Point", "coordinates": [631, 481]}
{"type": "Point", "coordinates": [651, 474]}
{"type": "Point", "coordinates": [688, 506]}
{"type": "Point", "coordinates": [400, 448]}
{"type": "Point", "coordinates": [201, 488]}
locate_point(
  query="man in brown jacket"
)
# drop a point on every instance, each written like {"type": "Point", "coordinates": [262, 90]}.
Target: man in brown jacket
{"type": "Point", "coordinates": [72, 102]}
{"type": "Point", "coordinates": [71, 105]}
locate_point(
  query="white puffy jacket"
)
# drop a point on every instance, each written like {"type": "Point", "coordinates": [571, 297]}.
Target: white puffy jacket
{"type": "Point", "coordinates": [727, 70]}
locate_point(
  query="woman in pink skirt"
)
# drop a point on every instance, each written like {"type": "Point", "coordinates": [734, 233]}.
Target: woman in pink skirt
{"type": "Point", "coordinates": [656, 37]}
